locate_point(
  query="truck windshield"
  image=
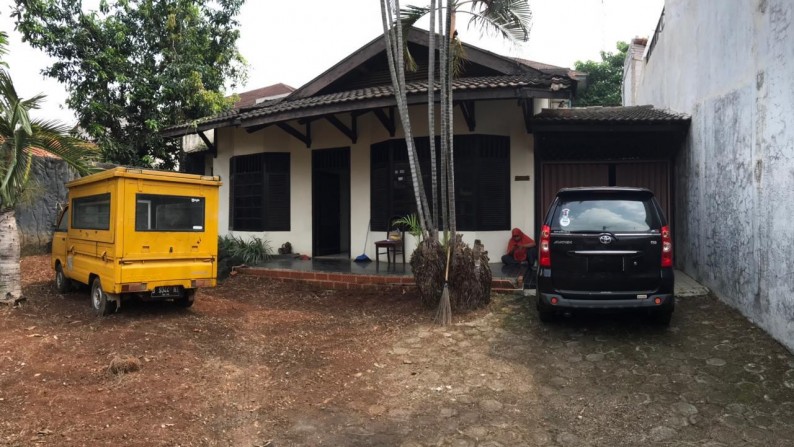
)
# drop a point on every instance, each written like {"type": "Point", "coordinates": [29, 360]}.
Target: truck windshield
{"type": "Point", "coordinates": [155, 212]}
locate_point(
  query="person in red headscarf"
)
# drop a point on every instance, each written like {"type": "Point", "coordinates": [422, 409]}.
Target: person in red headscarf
{"type": "Point", "coordinates": [520, 248]}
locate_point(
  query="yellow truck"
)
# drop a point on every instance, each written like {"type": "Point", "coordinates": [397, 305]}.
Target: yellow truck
{"type": "Point", "coordinates": [134, 231]}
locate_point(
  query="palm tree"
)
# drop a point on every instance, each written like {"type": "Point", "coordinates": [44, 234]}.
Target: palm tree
{"type": "Point", "coordinates": [507, 18]}
{"type": "Point", "coordinates": [510, 19]}
{"type": "Point", "coordinates": [20, 137]}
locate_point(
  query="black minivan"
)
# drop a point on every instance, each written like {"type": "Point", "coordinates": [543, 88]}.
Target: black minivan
{"type": "Point", "coordinates": [605, 248]}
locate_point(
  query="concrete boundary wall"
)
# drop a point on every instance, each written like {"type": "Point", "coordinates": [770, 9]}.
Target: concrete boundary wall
{"type": "Point", "coordinates": [728, 63]}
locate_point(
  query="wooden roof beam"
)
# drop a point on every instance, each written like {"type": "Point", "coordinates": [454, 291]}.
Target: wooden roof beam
{"type": "Point", "coordinates": [467, 107]}
{"type": "Point", "coordinates": [387, 121]}
{"type": "Point", "coordinates": [350, 132]}
{"type": "Point", "coordinates": [213, 149]}
{"type": "Point", "coordinates": [528, 109]}
{"type": "Point", "coordinates": [306, 138]}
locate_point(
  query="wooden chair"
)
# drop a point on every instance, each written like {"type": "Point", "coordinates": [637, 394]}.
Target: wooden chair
{"type": "Point", "coordinates": [394, 244]}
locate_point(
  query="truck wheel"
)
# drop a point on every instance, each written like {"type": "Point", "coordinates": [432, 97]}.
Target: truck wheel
{"type": "Point", "coordinates": [99, 300]}
{"type": "Point", "coordinates": [187, 300]}
{"type": "Point", "coordinates": [62, 283]}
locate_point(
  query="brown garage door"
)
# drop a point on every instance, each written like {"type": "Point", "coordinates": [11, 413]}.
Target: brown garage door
{"type": "Point", "coordinates": [569, 175]}
{"type": "Point", "coordinates": [651, 175]}
{"type": "Point", "coordinates": [654, 175]}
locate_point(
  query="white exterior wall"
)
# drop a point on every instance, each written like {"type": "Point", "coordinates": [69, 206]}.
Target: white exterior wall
{"type": "Point", "coordinates": [729, 63]}
{"type": "Point", "coordinates": [493, 118]}
{"type": "Point", "coordinates": [632, 73]}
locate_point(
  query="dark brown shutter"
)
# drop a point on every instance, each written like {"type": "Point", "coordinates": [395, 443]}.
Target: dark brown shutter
{"type": "Point", "coordinates": [247, 192]}
{"type": "Point", "coordinates": [493, 184]}
{"type": "Point", "coordinates": [277, 192]}
{"type": "Point", "coordinates": [380, 191]}
{"type": "Point", "coordinates": [260, 192]}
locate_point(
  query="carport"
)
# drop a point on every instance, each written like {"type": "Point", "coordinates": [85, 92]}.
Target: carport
{"type": "Point", "coordinates": [607, 146]}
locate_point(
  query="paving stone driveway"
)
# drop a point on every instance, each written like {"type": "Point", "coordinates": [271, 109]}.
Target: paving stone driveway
{"type": "Point", "coordinates": [506, 379]}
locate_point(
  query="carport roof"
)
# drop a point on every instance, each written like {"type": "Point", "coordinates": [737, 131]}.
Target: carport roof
{"type": "Point", "coordinates": [566, 119]}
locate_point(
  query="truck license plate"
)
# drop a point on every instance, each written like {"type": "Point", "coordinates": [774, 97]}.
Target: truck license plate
{"type": "Point", "coordinates": [167, 292]}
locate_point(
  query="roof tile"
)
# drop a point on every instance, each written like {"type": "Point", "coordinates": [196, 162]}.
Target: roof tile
{"type": "Point", "coordinates": [609, 114]}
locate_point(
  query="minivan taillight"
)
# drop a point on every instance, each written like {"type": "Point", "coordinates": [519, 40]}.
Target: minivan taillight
{"type": "Point", "coordinates": [667, 247]}
{"type": "Point", "coordinates": [544, 256]}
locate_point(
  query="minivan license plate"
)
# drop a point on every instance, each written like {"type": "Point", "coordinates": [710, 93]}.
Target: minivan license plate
{"type": "Point", "coordinates": [167, 291]}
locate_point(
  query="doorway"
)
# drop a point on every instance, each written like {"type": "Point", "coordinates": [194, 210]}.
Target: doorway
{"type": "Point", "coordinates": [331, 202]}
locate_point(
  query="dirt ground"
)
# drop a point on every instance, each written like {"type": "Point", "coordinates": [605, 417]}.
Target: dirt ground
{"type": "Point", "coordinates": [257, 362]}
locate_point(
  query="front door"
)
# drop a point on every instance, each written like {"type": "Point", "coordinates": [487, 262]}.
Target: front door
{"type": "Point", "coordinates": [331, 201]}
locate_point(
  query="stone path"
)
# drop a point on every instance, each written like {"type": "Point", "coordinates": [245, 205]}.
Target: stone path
{"type": "Point", "coordinates": [505, 379]}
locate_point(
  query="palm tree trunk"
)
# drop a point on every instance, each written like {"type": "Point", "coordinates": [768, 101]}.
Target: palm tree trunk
{"type": "Point", "coordinates": [10, 275]}
{"type": "Point", "coordinates": [431, 114]}
{"type": "Point", "coordinates": [443, 73]}
{"type": "Point", "coordinates": [395, 56]}
{"type": "Point", "coordinates": [449, 130]}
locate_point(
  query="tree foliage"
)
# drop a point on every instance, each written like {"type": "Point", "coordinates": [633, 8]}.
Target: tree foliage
{"type": "Point", "coordinates": [135, 67]}
{"type": "Point", "coordinates": [604, 78]}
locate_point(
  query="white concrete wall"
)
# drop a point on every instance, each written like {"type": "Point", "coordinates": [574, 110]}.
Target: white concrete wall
{"type": "Point", "coordinates": [632, 72]}
{"type": "Point", "coordinates": [493, 118]}
{"type": "Point", "coordinates": [729, 63]}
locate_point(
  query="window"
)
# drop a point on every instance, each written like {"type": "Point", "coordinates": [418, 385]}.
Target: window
{"type": "Point", "coordinates": [63, 221]}
{"type": "Point", "coordinates": [482, 181]}
{"type": "Point", "coordinates": [596, 215]}
{"type": "Point", "coordinates": [168, 213]}
{"type": "Point", "coordinates": [260, 192]}
{"type": "Point", "coordinates": [91, 213]}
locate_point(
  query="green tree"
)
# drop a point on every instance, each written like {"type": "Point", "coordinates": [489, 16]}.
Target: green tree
{"type": "Point", "coordinates": [19, 137]}
{"type": "Point", "coordinates": [603, 78]}
{"type": "Point", "coordinates": [137, 66]}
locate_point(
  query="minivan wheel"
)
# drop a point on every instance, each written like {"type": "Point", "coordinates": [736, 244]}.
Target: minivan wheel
{"type": "Point", "coordinates": [99, 300]}
{"type": "Point", "coordinates": [62, 283]}
{"type": "Point", "coordinates": [187, 300]}
{"type": "Point", "coordinates": [545, 314]}
{"type": "Point", "coordinates": [662, 317]}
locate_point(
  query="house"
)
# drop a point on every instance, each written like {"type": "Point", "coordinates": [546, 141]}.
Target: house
{"type": "Point", "coordinates": [729, 66]}
{"type": "Point", "coordinates": [194, 144]}
{"type": "Point", "coordinates": [326, 164]}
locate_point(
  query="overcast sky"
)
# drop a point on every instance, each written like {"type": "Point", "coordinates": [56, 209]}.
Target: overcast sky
{"type": "Point", "coordinates": [293, 42]}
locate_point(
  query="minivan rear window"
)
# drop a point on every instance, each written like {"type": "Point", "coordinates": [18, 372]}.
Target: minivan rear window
{"type": "Point", "coordinates": [598, 214]}
{"type": "Point", "coordinates": [168, 213]}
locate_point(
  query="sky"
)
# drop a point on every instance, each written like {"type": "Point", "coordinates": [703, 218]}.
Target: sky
{"type": "Point", "coordinates": [294, 42]}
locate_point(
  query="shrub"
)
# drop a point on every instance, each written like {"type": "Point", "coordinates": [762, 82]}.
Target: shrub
{"type": "Point", "coordinates": [234, 250]}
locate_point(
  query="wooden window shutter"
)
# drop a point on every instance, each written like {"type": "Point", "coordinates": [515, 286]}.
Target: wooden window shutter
{"type": "Point", "coordinates": [380, 191]}
{"type": "Point", "coordinates": [277, 192]}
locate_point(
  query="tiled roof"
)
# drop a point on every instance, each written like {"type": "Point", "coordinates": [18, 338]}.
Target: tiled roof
{"type": "Point", "coordinates": [38, 152]}
{"type": "Point", "coordinates": [486, 82]}
{"type": "Point", "coordinates": [638, 114]}
{"type": "Point", "coordinates": [533, 80]}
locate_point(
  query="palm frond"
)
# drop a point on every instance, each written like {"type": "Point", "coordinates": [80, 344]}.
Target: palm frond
{"type": "Point", "coordinates": [52, 137]}
{"type": "Point", "coordinates": [3, 47]}
{"type": "Point", "coordinates": [458, 57]}
{"type": "Point", "coordinates": [512, 19]}
{"type": "Point", "coordinates": [21, 137]}
{"type": "Point", "coordinates": [411, 14]}
{"type": "Point", "coordinates": [408, 18]}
